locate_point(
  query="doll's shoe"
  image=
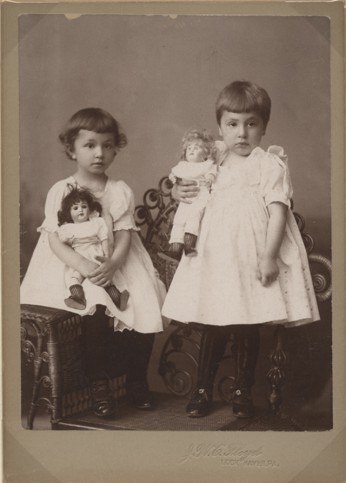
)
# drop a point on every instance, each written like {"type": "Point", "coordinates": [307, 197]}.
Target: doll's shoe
{"type": "Point", "coordinates": [170, 256]}
{"type": "Point", "coordinates": [103, 404]}
{"type": "Point", "coordinates": [120, 299]}
{"type": "Point", "coordinates": [174, 252]}
{"type": "Point", "coordinates": [190, 241]}
{"type": "Point", "coordinates": [191, 252]}
{"type": "Point", "coordinates": [140, 396]}
{"type": "Point", "coordinates": [242, 404]}
{"type": "Point", "coordinates": [200, 403]}
{"type": "Point", "coordinates": [77, 299]}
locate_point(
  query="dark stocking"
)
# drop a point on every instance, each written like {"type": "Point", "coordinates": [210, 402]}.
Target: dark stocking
{"type": "Point", "coordinates": [97, 335]}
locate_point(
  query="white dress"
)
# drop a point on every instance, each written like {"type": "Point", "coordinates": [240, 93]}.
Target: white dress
{"type": "Point", "coordinates": [43, 283]}
{"type": "Point", "coordinates": [220, 286]}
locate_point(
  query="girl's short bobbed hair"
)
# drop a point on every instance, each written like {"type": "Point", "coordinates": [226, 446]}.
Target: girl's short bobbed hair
{"type": "Point", "coordinates": [243, 96]}
{"type": "Point", "coordinates": [91, 119]}
{"type": "Point", "coordinates": [75, 196]}
{"type": "Point", "coordinates": [204, 137]}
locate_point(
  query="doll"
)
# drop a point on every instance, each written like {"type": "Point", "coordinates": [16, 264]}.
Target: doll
{"type": "Point", "coordinates": [86, 232]}
{"type": "Point", "coordinates": [197, 163]}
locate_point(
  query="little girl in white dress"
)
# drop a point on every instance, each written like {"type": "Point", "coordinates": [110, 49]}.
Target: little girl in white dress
{"type": "Point", "coordinates": [252, 266]}
{"type": "Point", "coordinates": [92, 138]}
{"type": "Point", "coordinates": [82, 228]}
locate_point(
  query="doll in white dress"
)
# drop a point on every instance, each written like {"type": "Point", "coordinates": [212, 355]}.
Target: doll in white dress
{"type": "Point", "coordinates": [252, 266]}
{"type": "Point", "coordinates": [82, 228]}
{"type": "Point", "coordinates": [197, 163]}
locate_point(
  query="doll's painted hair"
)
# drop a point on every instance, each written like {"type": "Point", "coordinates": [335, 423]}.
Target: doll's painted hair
{"type": "Point", "coordinates": [91, 119]}
{"type": "Point", "coordinates": [243, 96]}
{"type": "Point", "coordinates": [76, 196]}
{"type": "Point", "coordinates": [204, 137]}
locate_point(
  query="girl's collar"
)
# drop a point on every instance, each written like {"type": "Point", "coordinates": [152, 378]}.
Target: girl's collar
{"type": "Point", "coordinates": [223, 154]}
{"type": "Point", "coordinates": [95, 193]}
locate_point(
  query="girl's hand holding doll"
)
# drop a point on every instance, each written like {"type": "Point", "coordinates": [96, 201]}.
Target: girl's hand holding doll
{"type": "Point", "coordinates": [185, 189]}
{"type": "Point", "coordinates": [104, 273]}
{"type": "Point", "coordinates": [70, 257]}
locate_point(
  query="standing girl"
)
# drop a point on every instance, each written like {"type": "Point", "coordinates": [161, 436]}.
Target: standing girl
{"type": "Point", "coordinates": [252, 266]}
{"type": "Point", "coordinates": [92, 138]}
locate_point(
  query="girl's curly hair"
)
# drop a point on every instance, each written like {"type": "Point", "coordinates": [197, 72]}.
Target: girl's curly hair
{"type": "Point", "coordinates": [206, 140]}
{"type": "Point", "coordinates": [91, 119]}
{"type": "Point", "coordinates": [76, 196]}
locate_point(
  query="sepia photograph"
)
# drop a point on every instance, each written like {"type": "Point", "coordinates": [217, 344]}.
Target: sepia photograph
{"type": "Point", "coordinates": [176, 253]}
{"type": "Point", "coordinates": [135, 113]}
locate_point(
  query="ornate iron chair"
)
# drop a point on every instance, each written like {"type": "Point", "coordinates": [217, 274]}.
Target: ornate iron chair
{"type": "Point", "coordinates": [179, 356]}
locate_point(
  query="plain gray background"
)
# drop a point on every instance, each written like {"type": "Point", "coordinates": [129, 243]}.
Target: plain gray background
{"type": "Point", "coordinates": [159, 76]}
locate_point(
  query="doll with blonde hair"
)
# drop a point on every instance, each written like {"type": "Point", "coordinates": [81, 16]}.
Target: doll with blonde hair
{"type": "Point", "coordinates": [197, 163]}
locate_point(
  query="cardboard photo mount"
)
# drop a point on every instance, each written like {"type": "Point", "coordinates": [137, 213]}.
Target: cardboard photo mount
{"type": "Point", "coordinates": [73, 456]}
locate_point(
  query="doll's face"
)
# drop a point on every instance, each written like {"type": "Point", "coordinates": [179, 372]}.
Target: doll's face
{"type": "Point", "coordinates": [80, 212]}
{"type": "Point", "coordinates": [195, 152]}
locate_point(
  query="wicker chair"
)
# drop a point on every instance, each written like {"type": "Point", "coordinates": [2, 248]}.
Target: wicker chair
{"type": "Point", "coordinates": [52, 340]}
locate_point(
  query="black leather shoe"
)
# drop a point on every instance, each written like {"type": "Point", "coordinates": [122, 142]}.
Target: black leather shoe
{"type": "Point", "coordinates": [103, 404]}
{"type": "Point", "coordinates": [200, 404]}
{"type": "Point", "coordinates": [242, 404]}
{"type": "Point", "coordinates": [141, 397]}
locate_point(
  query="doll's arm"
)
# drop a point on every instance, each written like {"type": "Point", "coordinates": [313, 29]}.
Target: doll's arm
{"type": "Point", "coordinates": [105, 247]}
{"type": "Point", "coordinates": [268, 266]}
{"type": "Point", "coordinates": [105, 272]}
{"type": "Point", "coordinates": [69, 257]}
{"type": "Point", "coordinates": [211, 176]}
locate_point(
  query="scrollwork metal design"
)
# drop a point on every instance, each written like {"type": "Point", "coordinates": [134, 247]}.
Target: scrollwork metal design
{"type": "Point", "coordinates": [322, 281]}
{"type": "Point", "coordinates": [29, 349]}
{"type": "Point", "coordinates": [155, 215]}
{"type": "Point", "coordinates": [226, 388]}
{"type": "Point", "coordinates": [276, 374]}
{"type": "Point", "coordinates": [180, 343]}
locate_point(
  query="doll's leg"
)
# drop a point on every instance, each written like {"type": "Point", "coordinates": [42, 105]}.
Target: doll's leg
{"type": "Point", "coordinates": [213, 343]}
{"type": "Point", "coordinates": [247, 340]}
{"type": "Point", "coordinates": [190, 241]}
{"type": "Point", "coordinates": [73, 280]}
{"type": "Point", "coordinates": [120, 299]}
{"type": "Point", "coordinates": [139, 351]}
{"type": "Point", "coordinates": [192, 228]}
{"type": "Point", "coordinates": [176, 241]}
{"type": "Point", "coordinates": [96, 345]}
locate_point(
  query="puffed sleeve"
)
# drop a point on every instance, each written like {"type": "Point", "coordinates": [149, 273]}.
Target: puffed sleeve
{"type": "Point", "coordinates": [122, 208]}
{"type": "Point", "coordinates": [65, 233]}
{"type": "Point", "coordinates": [212, 173]}
{"type": "Point", "coordinates": [178, 171]}
{"type": "Point", "coordinates": [275, 178]}
{"type": "Point", "coordinates": [52, 206]}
